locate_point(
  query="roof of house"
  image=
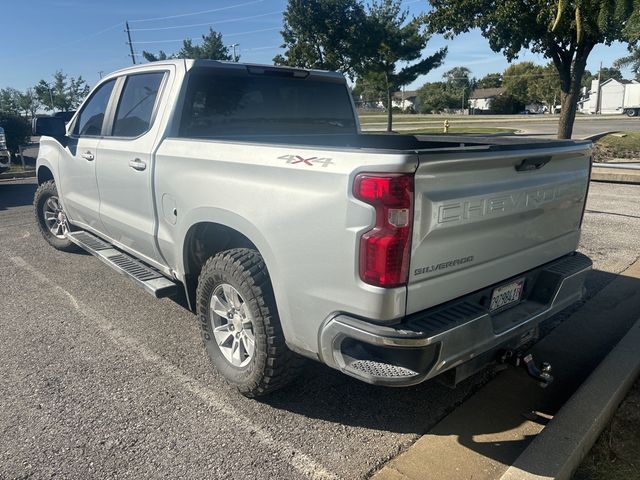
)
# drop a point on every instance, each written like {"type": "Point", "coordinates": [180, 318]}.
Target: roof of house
{"type": "Point", "coordinates": [624, 81]}
{"type": "Point", "coordinates": [487, 92]}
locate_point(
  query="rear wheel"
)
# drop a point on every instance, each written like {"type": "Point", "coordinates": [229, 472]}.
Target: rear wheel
{"type": "Point", "coordinates": [632, 112]}
{"type": "Point", "coordinates": [240, 325]}
{"type": "Point", "coordinates": [51, 218]}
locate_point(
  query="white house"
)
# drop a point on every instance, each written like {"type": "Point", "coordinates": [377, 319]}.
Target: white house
{"type": "Point", "coordinates": [405, 100]}
{"type": "Point", "coordinates": [481, 98]}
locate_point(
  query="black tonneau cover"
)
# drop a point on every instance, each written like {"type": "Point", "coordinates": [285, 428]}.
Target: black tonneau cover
{"type": "Point", "coordinates": [398, 143]}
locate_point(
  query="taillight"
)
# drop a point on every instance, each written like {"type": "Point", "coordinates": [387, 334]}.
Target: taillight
{"type": "Point", "coordinates": [384, 250]}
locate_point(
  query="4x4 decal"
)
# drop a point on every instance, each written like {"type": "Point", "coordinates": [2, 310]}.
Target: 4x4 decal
{"type": "Point", "coordinates": [295, 159]}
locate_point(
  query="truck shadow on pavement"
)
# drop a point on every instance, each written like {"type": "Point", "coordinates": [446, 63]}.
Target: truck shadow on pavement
{"type": "Point", "coordinates": [16, 194]}
{"type": "Point", "coordinates": [506, 400]}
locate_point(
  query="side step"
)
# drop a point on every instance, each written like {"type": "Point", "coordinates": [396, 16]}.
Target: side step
{"type": "Point", "coordinates": [151, 280]}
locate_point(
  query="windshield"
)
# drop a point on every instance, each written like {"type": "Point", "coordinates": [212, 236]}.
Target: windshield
{"type": "Point", "coordinates": [223, 104]}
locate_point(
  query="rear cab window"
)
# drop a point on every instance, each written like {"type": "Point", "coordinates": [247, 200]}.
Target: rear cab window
{"type": "Point", "coordinates": [134, 113]}
{"type": "Point", "coordinates": [228, 103]}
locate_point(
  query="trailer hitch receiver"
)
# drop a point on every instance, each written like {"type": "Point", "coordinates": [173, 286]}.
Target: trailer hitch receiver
{"type": "Point", "coordinates": [541, 374]}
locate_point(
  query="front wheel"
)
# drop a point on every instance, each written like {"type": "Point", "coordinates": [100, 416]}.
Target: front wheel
{"type": "Point", "coordinates": [51, 218]}
{"type": "Point", "coordinates": [632, 112]}
{"type": "Point", "coordinates": [240, 325]}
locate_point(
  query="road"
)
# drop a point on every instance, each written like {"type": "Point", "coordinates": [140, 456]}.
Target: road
{"type": "Point", "coordinates": [537, 125]}
{"type": "Point", "coordinates": [100, 380]}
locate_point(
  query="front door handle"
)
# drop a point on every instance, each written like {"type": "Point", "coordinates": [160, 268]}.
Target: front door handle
{"type": "Point", "coordinates": [137, 164]}
{"type": "Point", "coordinates": [88, 156]}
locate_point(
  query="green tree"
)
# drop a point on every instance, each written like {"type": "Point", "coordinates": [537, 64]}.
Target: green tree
{"type": "Point", "coordinates": [9, 102]}
{"type": "Point", "coordinates": [491, 80]}
{"type": "Point", "coordinates": [435, 97]}
{"type": "Point", "coordinates": [520, 80]}
{"type": "Point", "coordinates": [63, 94]}
{"type": "Point", "coordinates": [505, 104]}
{"type": "Point", "coordinates": [458, 78]}
{"type": "Point", "coordinates": [323, 34]}
{"type": "Point", "coordinates": [605, 74]}
{"type": "Point", "coordinates": [154, 57]}
{"type": "Point", "coordinates": [211, 48]}
{"type": "Point", "coordinates": [29, 103]}
{"type": "Point", "coordinates": [564, 31]}
{"type": "Point", "coordinates": [632, 33]}
{"type": "Point", "coordinates": [459, 85]}
{"type": "Point", "coordinates": [546, 87]}
{"type": "Point", "coordinates": [16, 128]}
{"type": "Point", "coordinates": [370, 88]}
{"type": "Point", "coordinates": [632, 60]}
{"type": "Point", "coordinates": [393, 37]}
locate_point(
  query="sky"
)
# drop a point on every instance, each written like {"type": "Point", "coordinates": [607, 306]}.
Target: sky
{"type": "Point", "coordinates": [86, 37]}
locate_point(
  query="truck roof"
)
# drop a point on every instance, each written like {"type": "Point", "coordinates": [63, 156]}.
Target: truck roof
{"type": "Point", "coordinates": [188, 64]}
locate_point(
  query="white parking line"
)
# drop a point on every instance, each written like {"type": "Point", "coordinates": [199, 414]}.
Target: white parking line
{"type": "Point", "coordinates": [301, 462]}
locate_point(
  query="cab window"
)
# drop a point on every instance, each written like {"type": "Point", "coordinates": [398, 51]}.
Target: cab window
{"type": "Point", "coordinates": [135, 109]}
{"type": "Point", "coordinates": [91, 117]}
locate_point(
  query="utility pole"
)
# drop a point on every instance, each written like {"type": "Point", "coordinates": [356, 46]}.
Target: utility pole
{"type": "Point", "coordinates": [133, 55]}
{"type": "Point", "coordinates": [599, 102]}
{"type": "Point", "coordinates": [234, 45]}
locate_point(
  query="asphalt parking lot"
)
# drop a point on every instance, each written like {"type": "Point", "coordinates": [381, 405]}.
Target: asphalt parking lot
{"type": "Point", "coordinates": [100, 380]}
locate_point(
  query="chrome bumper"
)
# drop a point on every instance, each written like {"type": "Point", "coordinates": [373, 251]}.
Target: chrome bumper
{"type": "Point", "coordinates": [452, 335]}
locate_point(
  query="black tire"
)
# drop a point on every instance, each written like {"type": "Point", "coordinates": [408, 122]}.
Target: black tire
{"type": "Point", "coordinates": [44, 192]}
{"type": "Point", "coordinates": [272, 365]}
{"type": "Point", "coordinates": [632, 112]}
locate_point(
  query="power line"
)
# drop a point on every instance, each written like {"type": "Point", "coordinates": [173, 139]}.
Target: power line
{"type": "Point", "coordinates": [146, 42]}
{"type": "Point", "coordinates": [181, 15]}
{"type": "Point", "coordinates": [74, 42]}
{"type": "Point", "coordinates": [217, 22]}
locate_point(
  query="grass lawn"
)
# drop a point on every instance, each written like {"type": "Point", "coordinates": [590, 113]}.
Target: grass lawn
{"type": "Point", "coordinates": [428, 131]}
{"type": "Point", "coordinates": [613, 146]}
{"type": "Point", "coordinates": [616, 454]}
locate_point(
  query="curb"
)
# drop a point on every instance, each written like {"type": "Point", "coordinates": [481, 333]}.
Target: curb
{"type": "Point", "coordinates": [598, 136]}
{"type": "Point", "coordinates": [11, 176]}
{"type": "Point", "coordinates": [615, 175]}
{"type": "Point", "coordinates": [558, 450]}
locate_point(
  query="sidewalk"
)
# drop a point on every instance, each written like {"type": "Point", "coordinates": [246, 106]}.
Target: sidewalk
{"type": "Point", "coordinates": [487, 434]}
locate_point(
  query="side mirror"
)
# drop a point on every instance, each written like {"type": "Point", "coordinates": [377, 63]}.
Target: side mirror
{"type": "Point", "coordinates": [50, 127]}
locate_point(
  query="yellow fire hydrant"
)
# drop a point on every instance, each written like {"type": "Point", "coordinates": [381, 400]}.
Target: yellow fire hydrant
{"type": "Point", "coordinates": [446, 126]}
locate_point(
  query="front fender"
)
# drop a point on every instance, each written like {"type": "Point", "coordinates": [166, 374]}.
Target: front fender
{"type": "Point", "coordinates": [48, 157]}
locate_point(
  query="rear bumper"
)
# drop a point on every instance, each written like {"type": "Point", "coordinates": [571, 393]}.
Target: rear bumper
{"type": "Point", "coordinates": [460, 334]}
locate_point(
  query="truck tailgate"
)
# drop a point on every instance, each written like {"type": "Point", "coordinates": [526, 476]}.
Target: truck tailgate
{"type": "Point", "coordinates": [484, 216]}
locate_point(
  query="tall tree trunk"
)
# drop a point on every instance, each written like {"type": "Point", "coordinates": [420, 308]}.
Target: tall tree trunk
{"type": "Point", "coordinates": [570, 82]}
{"type": "Point", "coordinates": [569, 105]}
{"type": "Point", "coordinates": [389, 110]}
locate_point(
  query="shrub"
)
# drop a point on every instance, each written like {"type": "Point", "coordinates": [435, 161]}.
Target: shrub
{"type": "Point", "coordinates": [16, 129]}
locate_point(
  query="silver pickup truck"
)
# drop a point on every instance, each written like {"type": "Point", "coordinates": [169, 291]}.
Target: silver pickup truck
{"type": "Point", "coordinates": [250, 191]}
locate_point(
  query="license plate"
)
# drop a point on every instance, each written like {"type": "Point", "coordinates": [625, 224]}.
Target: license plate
{"type": "Point", "coordinates": [506, 294]}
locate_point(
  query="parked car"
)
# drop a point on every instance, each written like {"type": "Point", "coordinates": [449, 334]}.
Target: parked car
{"type": "Point", "coordinates": [5, 155]}
{"type": "Point", "coordinates": [251, 191]}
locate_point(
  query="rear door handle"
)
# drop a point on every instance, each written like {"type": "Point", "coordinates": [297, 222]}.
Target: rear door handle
{"type": "Point", "coordinates": [88, 156]}
{"type": "Point", "coordinates": [137, 164]}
